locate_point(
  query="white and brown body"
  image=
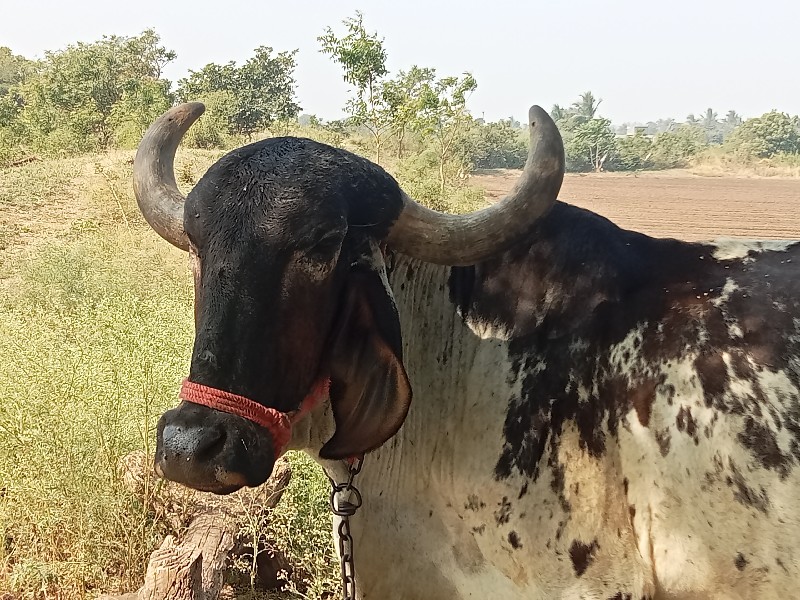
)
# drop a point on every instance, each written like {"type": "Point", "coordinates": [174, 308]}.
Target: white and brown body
{"type": "Point", "coordinates": [597, 414]}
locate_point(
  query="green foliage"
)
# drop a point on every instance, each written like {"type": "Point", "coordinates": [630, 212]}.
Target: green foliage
{"type": "Point", "coordinates": [81, 97]}
{"type": "Point", "coordinates": [142, 101]}
{"type": "Point", "coordinates": [363, 61]}
{"type": "Point", "coordinates": [213, 128]}
{"type": "Point", "coordinates": [301, 526]}
{"type": "Point", "coordinates": [494, 145]}
{"type": "Point", "coordinates": [404, 98]}
{"type": "Point", "coordinates": [765, 136]}
{"type": "Point", "coordinates": [593, 141]}
{"type": "Point", "coordinates": [361, 54]}
{"type": "Point", "coordinates": [588, 140]}
{"type": "Point", "coordinates": [443, 117]}
{"type": "Point", "coordinates": [420, 176]}
{"type": "Point", "coordinates": [100, 347]}
{"type": "Point", "coordinates": [586, 106]}
{"type": "Point", "coordinates": [96, 320]}
{"type": "Point", "coordinates": [711, 126]}
{"type": "Point", "coordinates": [13, 69]}
{"type": "Point", "coordinates": [677, 147]}
{"type": "Point", "coordinates": [632, 153]}
{"type": "Point", "coordinates": [260, 93]}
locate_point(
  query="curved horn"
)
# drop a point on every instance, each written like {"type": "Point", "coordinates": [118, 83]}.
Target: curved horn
{"type": "Point", "coordinates": [447, 239]}
{"type": "Point", "coordinates": [154, 184]}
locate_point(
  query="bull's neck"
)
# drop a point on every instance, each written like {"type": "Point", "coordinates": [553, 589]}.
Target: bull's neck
{"type": "Point", "coordinates": [461, 325]}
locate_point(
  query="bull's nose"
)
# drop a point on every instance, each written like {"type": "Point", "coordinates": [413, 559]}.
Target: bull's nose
{"type": "Point", "coordinates": [211, 450]}
{"type": "Point", "coordinates": [191, 443]}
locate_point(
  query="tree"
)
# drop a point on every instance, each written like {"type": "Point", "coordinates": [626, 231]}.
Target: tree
{"type": "Point", "coordinates": [73, 100]}
{"type": "Point", "coordinates": [496, 145]}
{"type": "Point", "coordinates": [730, 123]}
{"type": "Point", "coordinates": [260, 93]}
{"type": "Point", "coordinates": [363, 60]}
{"type": "Point", "coordinates": [403, 98]}
{"type": "Point", "coordinates": [595, 139]}
{"type": "Point", "coordinates": [444, 116]}
{"type": "Point", "coordinates": [711, 126]}
{"type": "Point", "coordinates": [559, 113]}
{"type": "Point", "coordinates": [674, 148]}
{"type": "Point", "coordinates": [586, 106]}
{"type": "Point", "coordinates": [13, 69]}
{"type": "Point", "coordinates": [632, 153]}
{"type": "Point", "coordinates": [762, 137]}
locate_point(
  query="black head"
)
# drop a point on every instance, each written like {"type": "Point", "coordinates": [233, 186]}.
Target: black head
{"type": "Point", "coordinates": [291, 287]}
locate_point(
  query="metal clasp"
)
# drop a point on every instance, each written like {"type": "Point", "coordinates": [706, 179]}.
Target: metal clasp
{"type": "Point", "coordinates": [345, 500]}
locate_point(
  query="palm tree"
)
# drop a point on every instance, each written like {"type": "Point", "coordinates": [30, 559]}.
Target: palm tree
{"type": "Point", "coordinates": [558, 113]}
{"type": "Point", "coordinates": [733, 119]}
{"type": "Point", "coordinates": [709, 120]}
{"type": "Point", "coordinates": [587, 105]}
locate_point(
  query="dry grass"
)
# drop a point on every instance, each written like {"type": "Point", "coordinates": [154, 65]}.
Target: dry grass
{"type": "Point", "coordinates": [95, 334]}
{"type": "Point", "coordinates": [715, 163]}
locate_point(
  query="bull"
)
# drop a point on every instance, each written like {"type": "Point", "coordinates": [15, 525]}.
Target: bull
{"type": "Point", "coordinates": [598, 414]}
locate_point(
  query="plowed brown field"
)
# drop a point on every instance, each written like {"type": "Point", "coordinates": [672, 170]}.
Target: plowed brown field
{"type": "Point", "coordinates": [677, 204]}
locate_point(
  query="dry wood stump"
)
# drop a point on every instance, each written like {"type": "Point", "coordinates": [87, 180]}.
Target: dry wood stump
{"type": "Point", "coordinates": [207, 532]}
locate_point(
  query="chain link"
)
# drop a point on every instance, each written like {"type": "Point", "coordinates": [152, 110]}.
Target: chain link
{"type": "Point", "coordinates": [345, 501]}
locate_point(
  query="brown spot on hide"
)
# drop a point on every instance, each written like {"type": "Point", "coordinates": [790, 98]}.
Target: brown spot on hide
{"type": "Point", "coordinates": [744, 494]}
{"type": "Point", "coordinates": [685, 422]}
{"type": "Point", "coordinates": [642, 397]}
{"type": "Point", "coordinates": [474, 503]}
{"type": "Point", "coordinates": [503, 514]}
{"type": "Point", "coordinates": [740, 561]}
{"type": "Point", "coordinates": [713, 374]}
{"type": "Point", "coordinates": [763, 445]}
{"type": "Point", "coordinates": [582, 555]}
{"type": "Point", "coordinates": [663, 439]}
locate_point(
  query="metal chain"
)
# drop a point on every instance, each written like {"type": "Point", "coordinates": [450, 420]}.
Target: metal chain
{"type": "Point", "coordinates": [345, 501]}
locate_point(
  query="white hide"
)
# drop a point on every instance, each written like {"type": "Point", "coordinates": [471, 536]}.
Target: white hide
{"type": "Point", "coordinates": [734, 248]}
{"type": "Point", "coordinates": [437, 524]}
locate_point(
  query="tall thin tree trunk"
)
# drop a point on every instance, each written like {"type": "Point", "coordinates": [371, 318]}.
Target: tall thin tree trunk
{"type": "Point", "coordinates": [400, 137]}
{"type": "Point", "coordinates": [441, 176]}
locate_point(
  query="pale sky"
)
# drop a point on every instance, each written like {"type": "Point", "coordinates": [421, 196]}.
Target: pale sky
{"type": "Point", "coordinates": [645, 60]}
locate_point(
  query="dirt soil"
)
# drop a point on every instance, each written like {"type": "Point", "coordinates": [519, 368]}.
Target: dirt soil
{"type": "Point", "coordinates": [678, 204]}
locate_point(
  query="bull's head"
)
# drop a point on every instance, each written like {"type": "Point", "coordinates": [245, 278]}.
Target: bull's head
{"type": "Point", "coordinates": [285, 237]}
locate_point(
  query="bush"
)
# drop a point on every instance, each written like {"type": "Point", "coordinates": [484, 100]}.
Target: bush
{"type": "Point", "coordinates": [419, 177]}
{"type": "Point", "coordinates": [765, 136]}
{"type": "Point", "coordinates": [677, 148]}
{"type": "Point", "coordinates": [496, 145]}
{"type": "Point", "coordinates": [632, 153]}
{"type": "Point", "coordinates": [210, 131]}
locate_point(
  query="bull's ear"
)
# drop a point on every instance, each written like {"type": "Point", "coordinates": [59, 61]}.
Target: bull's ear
{"type": "Point", "coordinates": [370, 393]}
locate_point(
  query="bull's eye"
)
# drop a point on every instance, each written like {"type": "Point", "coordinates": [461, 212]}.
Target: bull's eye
{"type": "Point", "coordinates": [318, 260]}
{"type": "Point", "coordinates": [326, 248]}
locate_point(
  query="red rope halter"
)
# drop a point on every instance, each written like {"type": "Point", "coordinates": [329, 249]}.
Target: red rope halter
{"type": "Point", "coordinates": [279, 424]}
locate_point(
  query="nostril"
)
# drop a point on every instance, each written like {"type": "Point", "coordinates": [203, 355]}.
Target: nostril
{"type": "Point", "coordinates": [211, 443]}
{"type": "Point", "coordinates": [191, 443]}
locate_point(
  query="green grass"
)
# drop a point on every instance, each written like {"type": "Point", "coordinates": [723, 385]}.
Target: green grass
{"type": "Point", "coordinates": [95, 334]}
{"type": "Point", "coordinates": [94, 338]}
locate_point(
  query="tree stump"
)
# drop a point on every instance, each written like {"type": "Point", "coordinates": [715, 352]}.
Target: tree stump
{"type": "Point", "coordinates": [207, 530]}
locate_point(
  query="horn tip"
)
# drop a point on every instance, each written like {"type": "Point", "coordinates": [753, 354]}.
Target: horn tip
{"type": "Point", "coordinates": [536, 114]}
{"type": "Point", "coordinates": [190, 110]}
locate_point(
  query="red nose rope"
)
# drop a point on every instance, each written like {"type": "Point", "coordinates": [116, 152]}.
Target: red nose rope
{"type": "Point", "coordinates": [279, 424]}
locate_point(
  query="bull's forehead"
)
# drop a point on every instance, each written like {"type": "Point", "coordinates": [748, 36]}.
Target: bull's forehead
{"type": "Point", "coordinates": [289, 187]}
{"type": "Point", "coordinates": [248, 217]}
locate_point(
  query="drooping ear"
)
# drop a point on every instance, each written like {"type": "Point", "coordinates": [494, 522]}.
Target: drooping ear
{"type": "Point", "coordinates": [370, 393]}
